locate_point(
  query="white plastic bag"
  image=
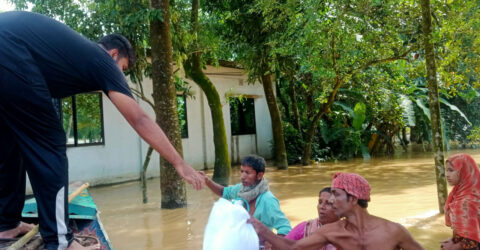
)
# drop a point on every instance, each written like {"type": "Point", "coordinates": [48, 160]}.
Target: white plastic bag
{"type": "Point", "coordinates": [227, 228]}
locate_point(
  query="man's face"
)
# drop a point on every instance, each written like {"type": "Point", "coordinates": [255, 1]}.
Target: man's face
{"type": "Point", "coordinates": [249, 176]}
{"type": "Point", "coordinates": [121, 61]}
{"type": "Point", "coordinates": [326, 214]}
{"type": "Point", "coordinates": [341, 204]}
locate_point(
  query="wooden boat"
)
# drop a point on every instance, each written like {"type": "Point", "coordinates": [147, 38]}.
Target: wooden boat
{"type": "Point", "coordinates": [84, 222]}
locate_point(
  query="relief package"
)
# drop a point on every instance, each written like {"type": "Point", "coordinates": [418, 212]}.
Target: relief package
{"type": "Point", "coordinates": [227, 228]}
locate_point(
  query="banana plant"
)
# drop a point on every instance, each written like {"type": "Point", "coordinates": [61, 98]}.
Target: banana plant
{"type": "Point", "coordinates": [356, 132]}
{"type": "Point", "coordinates": [417, 113]}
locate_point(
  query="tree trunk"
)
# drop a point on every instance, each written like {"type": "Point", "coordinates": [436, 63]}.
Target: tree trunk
{"type": "Point", "coordinates": [164, 95]}
{"type": "Point", "coordinates": [296, 115]}
{"type": "Point", "coordinates": [404, 136]}
{"type": "Point", "coordinates": [222, 167]}
{"type": "Point", "coordinates": [434, 105]}
{"type": "Point", "coordinates": [193, 69]}
{"type": "Point", "coordinates": [143, 176]}
{"type": "Point", "coordinates": [283, 100]}
{"type": "Point", "coordinates": [70, 125]}
{"type": "Point", "coordinates": [143, 180]}
{"type": "Point", "coordinates": [307, 150]}
{"type": "Point", "coordinates": [277, 129]}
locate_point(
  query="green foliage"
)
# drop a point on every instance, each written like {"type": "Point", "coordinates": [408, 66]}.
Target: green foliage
{"type": "Point", "coordinates": [474, 135]}
{"type": "Point", "coordinates": [85, 117]}
{"type": "Point", "coordinates": [414, 102]}
{"type": "Point", "coordinates": [182, 115]}
{"type": "Point", "coordinates": [367, 50]}
{"type": "Point", "coordinates": [294, 147]}
{"type": "Point", "coordinates": [456, 127]}
{"type": "Point", "coordinates": [89, 117]}
{"type": "Point", "coordinates": [320, 151]}
{"type": "Point", "coordinates": [359, 115]}
{"type": "Point", "coordinates": [458, 39]}
{"type": "Point", "coordinates": [325, 45]}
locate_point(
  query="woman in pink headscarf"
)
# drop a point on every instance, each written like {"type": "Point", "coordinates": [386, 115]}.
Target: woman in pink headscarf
{"type": "Point", "coordinates": [462, 209]}
{"type": "Point", "coordinates": [325, 215]}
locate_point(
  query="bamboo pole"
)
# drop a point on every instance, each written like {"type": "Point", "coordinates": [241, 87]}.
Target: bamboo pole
{"type": "Point", "coordinates": [24, 240]}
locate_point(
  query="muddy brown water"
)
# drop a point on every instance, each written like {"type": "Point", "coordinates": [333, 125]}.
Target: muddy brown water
{"type": "Point", "coordinates": [403, 190]}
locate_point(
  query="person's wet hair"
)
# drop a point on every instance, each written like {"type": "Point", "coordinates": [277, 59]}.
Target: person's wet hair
{"type": "Point", "coordinates": [119, 42]}
{"type": "Point", "coordinates": [325, 189]}
{"type": "Point", "coordinates": [361, 203]}
{"type": "Point", "coordinates": [254, 161]}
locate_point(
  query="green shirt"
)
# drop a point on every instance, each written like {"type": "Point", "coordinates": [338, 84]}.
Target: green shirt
{"type": "Point", "coordinates": [267, 209]}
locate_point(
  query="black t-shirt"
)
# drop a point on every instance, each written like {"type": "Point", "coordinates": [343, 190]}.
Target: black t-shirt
{"type": "Point", "coordinates": [40, 49]}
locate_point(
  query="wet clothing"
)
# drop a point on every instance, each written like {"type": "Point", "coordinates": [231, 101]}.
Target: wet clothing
{"type": "Point", "coordinates": [41, 58]}
{"type": "Point", "coordinates": [466, 243]}
{"type": "Point", "coordinates": [267, 209]}
{"type": "Point", "coordinates": [462, 209]}
{"type": "Point", "coordinates": [306, 229]}
{"type": "Point", "coordinates": [251, 193]}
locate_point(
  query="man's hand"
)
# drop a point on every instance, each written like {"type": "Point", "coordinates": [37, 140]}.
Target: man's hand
{"type": "Point", "coordinates": [196, 179]}
{"type": "Point", "coordinates": [258, 225]}
{"type": "Point", "coordinates": [205, 177]}
{"type": "Point", "coordinates": [215, 187]}
{"type": "Point", "coordinates": [450, 245]}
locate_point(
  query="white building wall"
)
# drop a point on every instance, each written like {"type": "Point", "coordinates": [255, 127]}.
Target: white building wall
{"type": "Point", "coordinates": [121, 157]}
{"type": "Point", "coordinates": [118, 160]}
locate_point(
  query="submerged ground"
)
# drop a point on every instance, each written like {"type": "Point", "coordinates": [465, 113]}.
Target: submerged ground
{"type": "Point", "coordinates": [403, 190]}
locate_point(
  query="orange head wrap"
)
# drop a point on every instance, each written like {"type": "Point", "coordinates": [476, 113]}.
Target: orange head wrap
{"type": "Point", "coordinates": [353, 184]}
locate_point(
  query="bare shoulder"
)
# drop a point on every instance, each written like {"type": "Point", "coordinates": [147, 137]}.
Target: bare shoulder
{"type": "Point", "coordinates": [330, 229]}
{"type": "Point", "coordinates": [399, 234]}
{"type": "Point", "coordinates": [390, 229]}
{"type": "Point", "coordinates": [397, 228]}
{"type": "Point", "coordinates": [334, 226]}
{"type": "Point", "coordinates": [388, 225]}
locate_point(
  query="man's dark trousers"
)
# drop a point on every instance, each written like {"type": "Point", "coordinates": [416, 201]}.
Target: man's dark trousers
{"type": "Point", "coordinates": [32, 139]}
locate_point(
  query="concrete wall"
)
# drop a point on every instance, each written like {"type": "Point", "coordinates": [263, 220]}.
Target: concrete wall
{"type": "Point", "coordinates": [121, 157]}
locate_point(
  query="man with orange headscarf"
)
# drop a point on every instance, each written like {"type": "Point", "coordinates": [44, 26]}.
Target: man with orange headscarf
{"type": "Point", "coordinates": [462, 209]}
{"type": "Point", "coordinates": [359, 229]}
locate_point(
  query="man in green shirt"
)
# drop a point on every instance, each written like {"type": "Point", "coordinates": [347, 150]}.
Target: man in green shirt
{"type": "Point", "coordinates": [263, 205]}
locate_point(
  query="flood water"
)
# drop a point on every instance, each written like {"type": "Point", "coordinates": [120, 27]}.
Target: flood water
{"type": "Point", "coordinates": [403, 190]}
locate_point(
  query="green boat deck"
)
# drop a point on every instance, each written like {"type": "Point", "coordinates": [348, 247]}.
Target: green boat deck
{"type": "Point", "coordinates": [81, 207]}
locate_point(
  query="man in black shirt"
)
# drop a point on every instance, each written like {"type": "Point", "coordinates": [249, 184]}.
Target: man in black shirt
{"type": "Point", "coordinates": [41, 59]}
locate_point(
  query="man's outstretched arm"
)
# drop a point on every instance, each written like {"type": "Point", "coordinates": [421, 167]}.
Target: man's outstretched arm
{"type": "Point", "coordinates": [154, 135]}
{"type": "Point", "coordinates": [215, 187]}
{"type": "Point", "coordinates": [316, 240]}
{"type": "Point", "coordinates": [278, 242]}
